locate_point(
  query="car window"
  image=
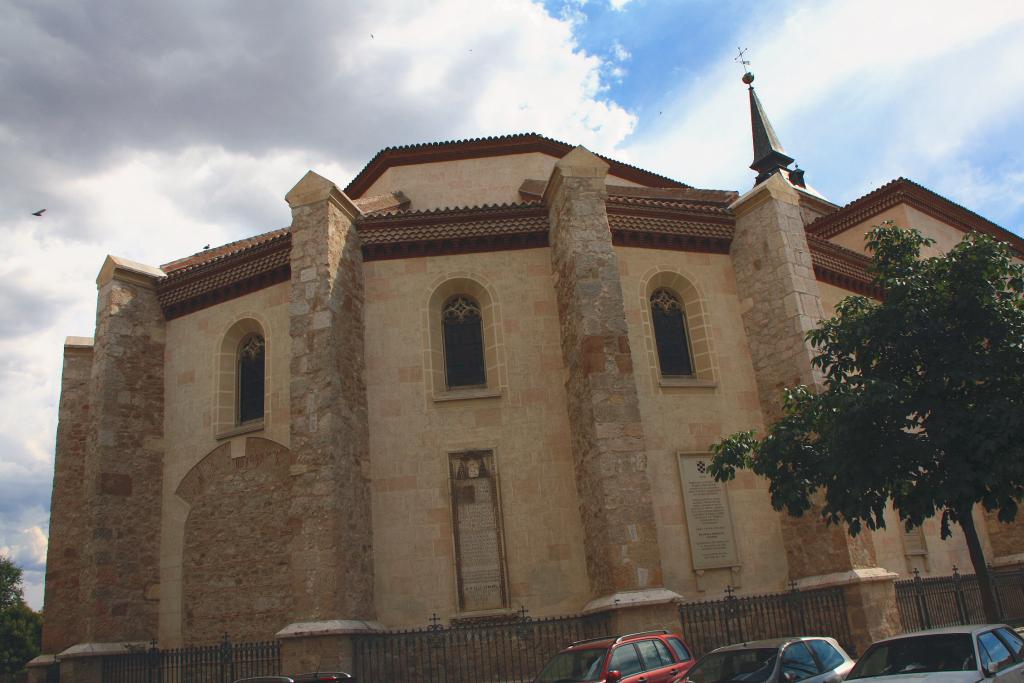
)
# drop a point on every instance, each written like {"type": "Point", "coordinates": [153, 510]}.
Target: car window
{"type": "Point", "coordinates": [1013, 641]}
{"type": "Point", "coordinates": [625, 660]}
{"type": "Point", "coordinates": [827, 655]}
{"type": "Point", "coordinates": [917, 654]}
{"type": "Point", "coordinates": [993, 650]}
{"type": "Point", "coordinates": [654, 653]}
{"type": "Point", "coordinates": [742, 666]}
{"type": "Point", "coordinates": [797, 660]}
{"type": "Point", "coordinates": [682, 654]}
{"type": "Point", "coordinates": [574, 665]}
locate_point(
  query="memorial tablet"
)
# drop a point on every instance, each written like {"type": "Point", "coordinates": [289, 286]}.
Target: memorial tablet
{"type": "Point", "coordinates": [708, 518]}
{"type": "Point", "coordinates": [476, 521]}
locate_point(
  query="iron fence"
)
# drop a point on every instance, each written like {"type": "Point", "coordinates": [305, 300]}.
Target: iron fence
{"type": "Point", "coordinates": [220, 663]}
{"type": "Point", "coordinates": [512, 651]}
{"type": "Point", "coordinates": [713, 623]}
{"type": "Point", "coordinates": [949, 600]}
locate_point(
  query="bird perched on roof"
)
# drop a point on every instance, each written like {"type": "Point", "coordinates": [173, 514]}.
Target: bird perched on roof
{"type": "Point", "coordinates": [206, 247]}
{"type": "Point", "coordinates": [40, 212]}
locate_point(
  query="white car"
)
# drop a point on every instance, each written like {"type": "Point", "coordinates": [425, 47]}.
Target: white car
{"type": "Point", "coordinates": [958, 654]}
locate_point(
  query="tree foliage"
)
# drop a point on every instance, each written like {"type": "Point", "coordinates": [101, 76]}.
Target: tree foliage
{"type": "Point", "coordinates": [923, 399]}
{"type": "Point", "coordinates": [20, 627]}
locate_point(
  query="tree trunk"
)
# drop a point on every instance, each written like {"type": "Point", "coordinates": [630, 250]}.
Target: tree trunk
{"type": "Point", "coordinates": [985, 586]}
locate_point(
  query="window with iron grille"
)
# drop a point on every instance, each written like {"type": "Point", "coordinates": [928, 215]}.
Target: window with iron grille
{"type": "Point", "coordinates": [463, 343]}
{"type": "Point", "coordinates": [669, 322]}
{"type": "Point", "coordinates": [251, 376]}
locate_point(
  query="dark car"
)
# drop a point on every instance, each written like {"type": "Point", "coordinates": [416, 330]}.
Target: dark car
{"type": "Point", "coordinates": [301, 678]}
{"type": "Point", "coordinates": [779, 660]}
{"type": "Point", "coordinates": [651, 656]}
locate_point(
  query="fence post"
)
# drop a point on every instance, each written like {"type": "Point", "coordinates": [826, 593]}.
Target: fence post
{"type": "Point", "coordinates": [922, 602]}
{"type": "Point", "coordinates": [958, 593]}
{"type": "Point", "coordinates": [995, 589]}
{"type": "Point", "coordinates": [227, 660]}
{"type": "Point", "coordinates": [796, 601]}
{"type": "Point", "coordinates": [731, 613]}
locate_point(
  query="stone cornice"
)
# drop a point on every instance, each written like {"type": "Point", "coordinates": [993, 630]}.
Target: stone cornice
{"type": "Point", "coordinates": [904, 191]}
{"type": "Point", "coordinates": [524, 143]}
{"type": "Point", "coordinates": [117, 268]}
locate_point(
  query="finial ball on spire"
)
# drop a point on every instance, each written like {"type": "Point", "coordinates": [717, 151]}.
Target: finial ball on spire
{"type": "Point", "coordinates": [748, 78]}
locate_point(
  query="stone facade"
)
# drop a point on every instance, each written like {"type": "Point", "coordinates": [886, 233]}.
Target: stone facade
{"type": "Point", "coordinates": [333, 514]}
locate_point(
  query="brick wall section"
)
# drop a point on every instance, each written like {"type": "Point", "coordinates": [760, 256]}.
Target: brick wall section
{"type": "Point", "coordinates": [606, 434]}
{"type": "Point", "coordinates": [235, 563]}
{"type": "Point", "coordinates": [329, 517]}
{"type": "Point", "coordinates": [62, 600]}
{"type": "Point", "coordinates": [1007, 539]}
{"type": "Point", "coordinates": [124, 461]}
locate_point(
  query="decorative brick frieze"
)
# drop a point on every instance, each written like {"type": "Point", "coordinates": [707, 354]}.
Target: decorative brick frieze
{"type": "Point", "coordinates": [68, 510]}
{"type": "Point", "coordinates": [123, 472]}
{"type": "Point", "coordinates": [606, 434]}
{"type": "Point", "coordinates": [329, 516]}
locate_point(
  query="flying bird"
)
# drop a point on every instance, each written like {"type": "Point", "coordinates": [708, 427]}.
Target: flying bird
{"type": "Point", "coordinates": [40, 212]}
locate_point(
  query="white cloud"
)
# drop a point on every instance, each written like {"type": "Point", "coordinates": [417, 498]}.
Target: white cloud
{"type": "Point", "coordinates": [619, 4]}
{"type": "Point", "coordinates": [896, 88]}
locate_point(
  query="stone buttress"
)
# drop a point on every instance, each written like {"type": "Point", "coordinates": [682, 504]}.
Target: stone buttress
{"type": "Point", "coordinates": [330, 516]}
{"type": "Point", "coordinates": [609, 453]}
{"type": "Point", "coordinates": [781, 303]}
{"type": "Point", "coordinates": [123, 470]}
{"type": "Point", "coordinates": [68, 509]}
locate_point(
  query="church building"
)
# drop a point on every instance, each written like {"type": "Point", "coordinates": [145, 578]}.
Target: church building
{"type": "Point", "coordinates": [484, 375]}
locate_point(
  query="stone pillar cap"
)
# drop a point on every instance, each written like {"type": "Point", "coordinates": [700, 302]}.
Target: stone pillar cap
{"type": "Point", "coordinates": [118, 268]}
{"type": "Point", "coordinates": [580, 162]}
{"type": "Point", "coordinates": [100, 649]}
{"type": "Point", "coordinates": [313, 188]}
{"type": "Point", "coordinates": [41, 660]}
{"type": "Point", "coordinates": [626, 599]}
{"type": "Point", "coordinates": [78, 343]}
{"type": "Point", "coordinates": [329, 627]}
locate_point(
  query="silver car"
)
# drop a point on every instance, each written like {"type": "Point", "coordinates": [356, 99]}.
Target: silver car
{"type": "Point", "coordinates": [779, 660]}
{"type": "Point", "coordinates": [958, 654]}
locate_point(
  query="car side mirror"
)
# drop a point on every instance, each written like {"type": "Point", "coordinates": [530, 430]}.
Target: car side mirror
{"type": "Point", "coordinates": [612, 677]}
{"type": "Point", "coordinates": [991, 669]}
{"type": "Point", "coordinates": [789, 677]}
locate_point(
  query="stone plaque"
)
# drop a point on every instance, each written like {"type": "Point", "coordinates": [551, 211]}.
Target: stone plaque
{"type": "Point", "coordinates": [708, 518]}
{"type": "Point", "coordinates": [476, 521]}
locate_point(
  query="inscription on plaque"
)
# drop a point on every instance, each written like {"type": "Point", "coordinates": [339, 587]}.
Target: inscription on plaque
{"type": "Point", "coordinates": [479, 550]}
{"type": "Point", "coordinates": [708, 517]}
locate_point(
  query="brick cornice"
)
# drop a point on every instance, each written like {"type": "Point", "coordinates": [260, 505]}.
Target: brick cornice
{"type": "Point", "coordinates": [524, 143]}
{"type": "Point", "coordinates": [841, 267]}
{"type": "Point", "coordinates": [904, 191]}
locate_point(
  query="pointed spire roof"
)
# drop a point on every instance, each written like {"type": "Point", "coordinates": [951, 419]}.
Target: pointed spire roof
{"type": "Point", "coordinates": [769, 156]}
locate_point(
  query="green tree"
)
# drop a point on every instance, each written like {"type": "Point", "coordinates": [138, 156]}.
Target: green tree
{"type": "Point", "coordinates": [21, 628]}
{"type": "Point", "coordinates": [923, 398]}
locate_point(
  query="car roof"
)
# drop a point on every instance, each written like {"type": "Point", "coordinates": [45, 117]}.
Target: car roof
{"type": "Point", "coordinates": [608, 641]}
{"type": "Point", "coordinates": [768, 643]}
{"type": "Point", "coordinates": [966, 629]}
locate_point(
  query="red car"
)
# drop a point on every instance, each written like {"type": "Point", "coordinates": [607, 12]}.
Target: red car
{"type": "Point", "coordinates": [648, 657]}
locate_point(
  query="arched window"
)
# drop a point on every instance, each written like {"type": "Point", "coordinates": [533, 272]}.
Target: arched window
{"type": "Point", "coordinates": [463, 342]}
{"type": "Point", "coordinates": [251, 374]}
{"type": "Point", "coordinates": [670, 334]}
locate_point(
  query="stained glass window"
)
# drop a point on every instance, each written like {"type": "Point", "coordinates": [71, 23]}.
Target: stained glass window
{"type": "Point", "coordinates": [463, 343]}
{"type": "Point", "coordinates": [670, 334]}
{"type": "Point", "coordinates": [251, 374]}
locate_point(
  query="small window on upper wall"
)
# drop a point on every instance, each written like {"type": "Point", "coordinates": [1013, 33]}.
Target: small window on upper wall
{"type": "Point", "coordinates": [669, 320]}
{"type": "Point", "coordinates": [251, 374]}
{"type": "Point", "coordinates": [463, 343]}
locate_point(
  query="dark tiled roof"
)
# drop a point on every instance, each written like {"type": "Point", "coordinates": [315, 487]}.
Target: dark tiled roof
{"type": "Point", "coordinates": [472, 148]}
{"type": "Point", "coordinates": [208, 255]}
{"type": "Point", "coordinates": [904, 191]}
{"type": "Point", "coordinates": [841, 266]}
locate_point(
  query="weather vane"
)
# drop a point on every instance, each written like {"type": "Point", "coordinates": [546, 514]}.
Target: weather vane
{"type": "Point", "coordinates": [748, 77]}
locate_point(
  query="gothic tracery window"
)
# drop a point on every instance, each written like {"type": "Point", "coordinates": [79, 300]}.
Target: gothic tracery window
{"type": "Point", "coordinates": [669, 322]}
{"type": "Point", "coordinates": [251, 375]}
{"type": "Point", "coordinates": [462, 327]}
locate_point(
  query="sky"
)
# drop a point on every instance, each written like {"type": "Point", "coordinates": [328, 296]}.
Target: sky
{"type": "Point", "coordinates": [149, 129]}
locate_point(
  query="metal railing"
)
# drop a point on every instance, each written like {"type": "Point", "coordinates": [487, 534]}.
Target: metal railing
{"type": "Point", "coordinates": [508, 651]}
{"type": "Point", "coordinates": [220, 663]}
{"type": "Point", "coordinates": [713, 623]}
{"type": "Point", "coordinates": [950, 600]}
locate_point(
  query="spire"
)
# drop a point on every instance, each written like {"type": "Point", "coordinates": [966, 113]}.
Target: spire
{"type": "Point", "coordinates": [769, 156]}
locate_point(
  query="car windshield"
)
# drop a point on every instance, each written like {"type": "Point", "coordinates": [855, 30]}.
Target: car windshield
{"type": "Point", "coordinates": [918, 654]}
{"type": "Point", "coordinates": [572, 666]}
{"type": "Point", "coordinates": [748, 666]}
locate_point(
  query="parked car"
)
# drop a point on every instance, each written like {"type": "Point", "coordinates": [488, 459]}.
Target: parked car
{"type": "Point", "coordinates": [958, 654]}
{"type": "Point", "coordinates": [779, 660]}
{"type": "Point", "coordinates": [649, 657]}
{"type": "Point", "coordinates": [301, 678]}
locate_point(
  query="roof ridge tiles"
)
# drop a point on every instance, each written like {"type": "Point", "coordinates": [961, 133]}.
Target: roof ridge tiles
{"type": "Point", "coordinates": [454, 210]}
{"type": "Point", "coordinates": [255, 242]}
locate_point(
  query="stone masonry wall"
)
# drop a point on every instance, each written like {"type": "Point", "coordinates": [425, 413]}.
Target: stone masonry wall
{"type": "Point", "coordinates": [63, 601]}
{"type": "Point", "coordinates": [329, 517]}
{"type": "Point", "coordinates": [604, 413]}
{"type": "Point", "coordinates": [123, 467]}
{"type": "Point", "coordinates": [1007, 539]}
